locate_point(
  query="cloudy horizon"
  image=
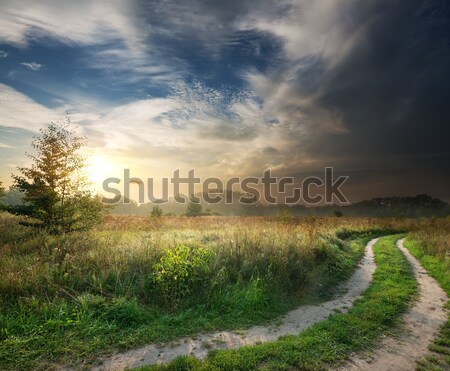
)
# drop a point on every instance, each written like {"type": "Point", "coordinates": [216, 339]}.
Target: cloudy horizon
{"type": "Point", "coordinates": [237, 87]}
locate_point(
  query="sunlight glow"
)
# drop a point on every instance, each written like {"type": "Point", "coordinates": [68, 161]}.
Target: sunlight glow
{"type": "Point", "coordinates": [99, 168]}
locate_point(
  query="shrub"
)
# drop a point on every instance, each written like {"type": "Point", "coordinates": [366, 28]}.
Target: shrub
{"type": "Point", "coordinates": [180, 271]}
{"type": "Point", "coordinates": [338, 213]}
{"type": "Point", "coordinates": [156, 212]}
{"type": "Point", "coordinates": [194, 208]}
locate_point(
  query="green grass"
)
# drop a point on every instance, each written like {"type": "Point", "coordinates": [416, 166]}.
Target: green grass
{"type": "Point", "coordinates": [438, 266]}
{"type": "Point", "coordinates": [71, 299]}
{"type": "Point", "coordinates": [332, 340]}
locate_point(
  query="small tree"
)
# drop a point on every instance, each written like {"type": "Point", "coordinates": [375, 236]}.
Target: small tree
{"type": "Point", "coordinates": [194, 208]}
{"type": "Point", "coordinates": [2, 193]}
{"type": "Point", "coordinates": [156, 212]}
{"type": "Point", "coordinates": [338, 213]}
{"type": "Point", "coordinates": [55, 190]}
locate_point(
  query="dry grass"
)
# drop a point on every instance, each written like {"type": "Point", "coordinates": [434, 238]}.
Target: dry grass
{"type": "Point", "coordinates": [118, 257]}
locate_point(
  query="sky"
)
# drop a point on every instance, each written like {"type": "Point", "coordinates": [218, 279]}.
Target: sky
{"type": "Point", "coordinates": [232, 88]}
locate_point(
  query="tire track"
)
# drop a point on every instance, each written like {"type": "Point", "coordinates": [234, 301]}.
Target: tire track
{"type": "Point", "coordinates": [422, 322]}
{"type": "Point", "coordinates": [292, 323]}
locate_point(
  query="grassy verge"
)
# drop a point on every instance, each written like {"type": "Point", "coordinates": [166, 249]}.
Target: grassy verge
{"type": "Point", "coordinates": [332, 340]}
{"type": "Point", "coordinates": [438, 266]}
{"type": "Point", "coordinates": [70, 299]}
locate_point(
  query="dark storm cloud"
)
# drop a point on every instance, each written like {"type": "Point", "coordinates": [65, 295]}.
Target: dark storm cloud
{"type": "Point", "coordinates": [375, 104]}
{"type": "Point", "coordinates": [393, 88]}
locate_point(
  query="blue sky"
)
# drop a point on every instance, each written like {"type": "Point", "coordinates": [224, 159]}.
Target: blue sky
{"type": "Point", "coordinates": [233, 88]}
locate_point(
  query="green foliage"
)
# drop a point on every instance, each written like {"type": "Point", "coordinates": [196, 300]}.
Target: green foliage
{"type": "Point", "coordinates": [338, 213]}
{"type": "Point", "coordinates": [333, 340]}
{"type": "Point", "coordinates": [54, 189]}
{"type": "Point", "coordinates": [348, 234]}
{"type": "Point", "coordinates": [13, 197]}
{"type": "Point", "coordinates": [180, 271]}
{"type": "Point", "coordinates": [207, 212]}
{"type": "Point", "coordinates": [194, 208]}
{"type": "Point", "coordinates": [156, 212]}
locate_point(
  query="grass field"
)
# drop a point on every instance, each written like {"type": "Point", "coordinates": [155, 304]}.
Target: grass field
{"type": "Point", "coordinates": [134, 280]}
{"type": "Point", "coordinates": [332, 340]}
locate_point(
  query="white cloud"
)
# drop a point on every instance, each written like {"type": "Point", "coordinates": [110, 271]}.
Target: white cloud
{"type": "Point", "coordinates": [120, 66]}
{"type": "Point", "coordinates": [194, 127]}
{"type": "Point", "coordinates": [3, 145]}
{"type": "Point", "coordinates": [3, 54]}
{"type": "Point", "coordinates": [318, 27]}
{"type": "Point", "coordinates": [20, 111]}
{"type": "Point", "coordinates": [80, 22]}
{"type": "Point", "coordinates": [114, 27]}
{"type": "Point", "coordinates": [33, 66]}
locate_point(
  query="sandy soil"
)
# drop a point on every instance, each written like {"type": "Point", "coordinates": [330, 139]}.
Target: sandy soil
{"type": "Point", "coordinates": [422, 322]}
{"type": "Point", "coordinates": [292, 323]}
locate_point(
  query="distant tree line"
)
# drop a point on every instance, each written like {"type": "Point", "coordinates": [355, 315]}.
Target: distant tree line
{"type": "Point", "coordinates": [403, 207]}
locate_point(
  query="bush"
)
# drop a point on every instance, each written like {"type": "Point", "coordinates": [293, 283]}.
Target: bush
{"type": "Point", "coordinates": [156, 212]}
{"type": "Point", "coordinates": [180, 271]}
{"type": "Point", "coordinates": [338, 213]}
{"type": "Point", "coordinates": [194, 208]}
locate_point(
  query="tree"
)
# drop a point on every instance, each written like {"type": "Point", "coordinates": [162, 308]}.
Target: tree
{"type": "Point", "coordinates": [194, 208]}
{"type": "Point", "coordinates": [156, 212]}
{"type": "Point", "coordinates": [2, 193]}
{"type": "Point", "coordinates": [55, 190]}
{"type": "Point", "coordinates": [338, 213]}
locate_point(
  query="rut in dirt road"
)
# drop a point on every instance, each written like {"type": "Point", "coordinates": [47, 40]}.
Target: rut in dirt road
{"type": "Point", "coordinates": [292, 323]}
{"type": "Point", "coordinates": [422, 322]}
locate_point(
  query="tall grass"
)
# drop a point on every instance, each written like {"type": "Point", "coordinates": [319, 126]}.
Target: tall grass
{"type": "Point", "coordinates": [433, 234]}
{"type": "Point", "coordinates": [119, 258]}
{"type": "Point", "coordinates": [136, 279]}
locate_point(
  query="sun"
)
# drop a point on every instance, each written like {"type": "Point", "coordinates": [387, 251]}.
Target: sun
{"type": "Point", "coordinates": [99, 168]}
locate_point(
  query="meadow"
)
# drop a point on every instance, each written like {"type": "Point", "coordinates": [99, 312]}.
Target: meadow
{"type": "Point", "coordinates": [69, 299]}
